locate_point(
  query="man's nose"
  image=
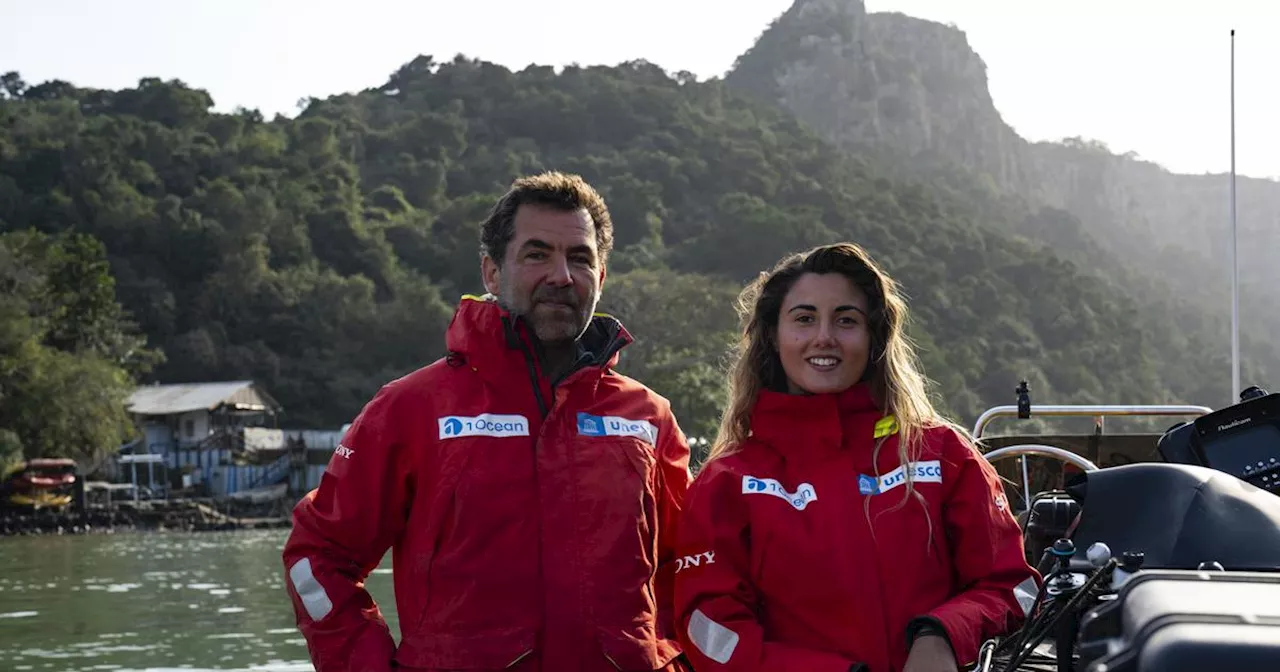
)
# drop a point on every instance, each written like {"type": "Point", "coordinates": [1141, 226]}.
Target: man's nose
{"type": "Point", "coordinates": [559, 275]}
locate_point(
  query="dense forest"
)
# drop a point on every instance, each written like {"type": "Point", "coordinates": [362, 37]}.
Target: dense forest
{"type": "Point", "coordinates": [323, 255]}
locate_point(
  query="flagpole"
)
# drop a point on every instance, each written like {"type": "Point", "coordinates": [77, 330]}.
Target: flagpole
{"type": "Point", "coordinates": [1235, 247]}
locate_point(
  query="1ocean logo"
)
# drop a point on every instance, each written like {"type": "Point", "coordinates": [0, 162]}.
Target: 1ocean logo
{"type": "Point", "coordinates": [799, 499]}
{"type": "Point", "coordinates": [608, 425]}
{"type": "Point", "coordinates": [921, 472]}
{"type": "Point", "coordinates": [486, 424]}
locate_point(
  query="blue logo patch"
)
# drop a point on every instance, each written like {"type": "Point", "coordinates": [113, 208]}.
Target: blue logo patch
{"type": "Point", "coordinates": [590, 425]}
{"type": "Point", "coordinates": [867, 485]}
{"type": "Point", "coordinates": [452, 426]}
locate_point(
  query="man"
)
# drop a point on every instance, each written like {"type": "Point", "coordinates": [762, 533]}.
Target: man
{"type": "Point", "coordinates": [529, 492]}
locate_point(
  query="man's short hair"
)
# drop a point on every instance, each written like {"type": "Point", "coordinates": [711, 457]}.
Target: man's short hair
{"type": "Point", "coordinates": [560, 191]}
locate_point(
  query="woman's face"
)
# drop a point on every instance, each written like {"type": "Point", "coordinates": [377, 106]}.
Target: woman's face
{"type": "Point", "coordinates": [823, 338]}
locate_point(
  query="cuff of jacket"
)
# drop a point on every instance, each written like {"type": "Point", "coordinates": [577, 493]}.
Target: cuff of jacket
{"type": "Point", "coordinates": [926, 625]}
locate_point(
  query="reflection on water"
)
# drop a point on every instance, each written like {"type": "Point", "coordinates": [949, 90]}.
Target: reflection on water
{"type": "Point", "coordinates": [154, 603]}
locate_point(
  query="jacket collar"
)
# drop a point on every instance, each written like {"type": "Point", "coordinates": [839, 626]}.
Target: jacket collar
{"type": "Point", "coordinates": [810, 425]}
{"type": "Point", "coordinates": [484, 332]}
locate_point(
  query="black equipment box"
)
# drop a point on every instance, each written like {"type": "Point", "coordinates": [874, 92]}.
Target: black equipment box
{"type": "Point", "coordinates": [1242, 440]}
{"type": "Point", "coordinates": [1186, 621]}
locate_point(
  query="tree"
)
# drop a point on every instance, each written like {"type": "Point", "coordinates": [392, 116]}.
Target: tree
{"type": "Point", "coordinates": [66, 349]}
{"type": "Point", "coordinates": [683, 326]}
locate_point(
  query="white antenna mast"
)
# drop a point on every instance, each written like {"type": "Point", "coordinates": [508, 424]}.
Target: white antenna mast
{"type": "Point", "coordinates": [1235, 247]}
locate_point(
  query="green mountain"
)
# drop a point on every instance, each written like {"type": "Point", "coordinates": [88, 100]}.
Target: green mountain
{"type": "Point", "coordinates": [322, 255]}
{"type": "Point", "coordinates": [914, 94]}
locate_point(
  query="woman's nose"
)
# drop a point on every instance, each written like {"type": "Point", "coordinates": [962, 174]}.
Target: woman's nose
{"type": "Point", "coordinates": [826, 333]}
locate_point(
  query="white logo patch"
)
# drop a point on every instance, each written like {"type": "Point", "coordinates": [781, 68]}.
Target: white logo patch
{"type": "Point", "coordinates": [921, 472]}
{"type": "Point", "coordinates": [683, 563]}
{"type": "Point", "coordinates": [799, 499]}
{"type": "Point", "coordinates": [608, 425]}
{"type": "Point", "coordinates": [486, 424]}
{"type": "Point", "coordinates": [344, 451]}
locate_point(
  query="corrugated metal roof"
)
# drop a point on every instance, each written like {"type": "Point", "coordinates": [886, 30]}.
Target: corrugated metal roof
{"type": "Point", "coordinates": [184, 397]}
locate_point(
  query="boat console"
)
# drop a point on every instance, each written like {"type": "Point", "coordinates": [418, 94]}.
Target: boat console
{"type": "Point", "coordinates": [1242, 440]}
{"type": "Point", "coordinates": [1171, 566]}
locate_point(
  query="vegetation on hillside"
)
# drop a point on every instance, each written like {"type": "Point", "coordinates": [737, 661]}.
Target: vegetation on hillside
{"type": "Point", "coordinates": [322, 255]}
{"type": "Point", "coordinates": [67, 353]}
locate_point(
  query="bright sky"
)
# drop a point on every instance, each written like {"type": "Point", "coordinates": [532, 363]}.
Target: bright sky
{"type": "Point", "coordinates": [1139, 75]}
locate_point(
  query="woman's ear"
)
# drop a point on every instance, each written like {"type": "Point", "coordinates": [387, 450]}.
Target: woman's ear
{"type": "Point", "coordinates": [874, 357]}
{"type": "Point", "coordinates": [879, 347]}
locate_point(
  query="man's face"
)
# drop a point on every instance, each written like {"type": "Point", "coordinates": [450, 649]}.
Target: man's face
{"type": "Point", "coordinates": [551, 274]}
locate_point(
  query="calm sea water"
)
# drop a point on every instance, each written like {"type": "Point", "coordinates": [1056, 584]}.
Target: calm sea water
{"type": "Point", "coordinates": [153, 602]}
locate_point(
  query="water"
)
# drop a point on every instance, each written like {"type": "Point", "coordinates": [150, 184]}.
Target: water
{"type": "Point", "coordinates": [153, 603]}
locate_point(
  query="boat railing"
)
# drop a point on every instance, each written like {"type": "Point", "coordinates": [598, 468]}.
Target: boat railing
{"type": "Point", "coordinates": [1098, 412]}
{"type": "Point", "coordinates": [1087, 411]}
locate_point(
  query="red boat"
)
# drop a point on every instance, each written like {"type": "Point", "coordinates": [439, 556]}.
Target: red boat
{"type": "Point", "coordinates": [40, 482]}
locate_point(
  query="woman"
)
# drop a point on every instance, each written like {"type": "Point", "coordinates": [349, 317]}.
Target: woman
{"type": "Point", "coordinates": [840, 523]}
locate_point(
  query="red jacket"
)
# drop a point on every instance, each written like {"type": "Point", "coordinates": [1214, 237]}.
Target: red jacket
{"type": "Point", "coordinates": [781, 571]}
{"type": "Point", "coordinates": [530, 530]}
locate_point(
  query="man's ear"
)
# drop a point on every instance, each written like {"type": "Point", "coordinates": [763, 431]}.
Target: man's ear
{"type": "Point", "coordinates": [491, 273]}
{"type": "Point", "coordinates": [602, 275]}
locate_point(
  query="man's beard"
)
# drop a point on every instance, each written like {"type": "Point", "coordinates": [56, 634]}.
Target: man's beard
{"type": "Point", "coordinates": [552, 324]}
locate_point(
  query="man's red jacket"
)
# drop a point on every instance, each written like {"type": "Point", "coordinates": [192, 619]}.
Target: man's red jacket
{"type": "Point", "coordinates": [793, 558]}
{"type": "Point", "coordinates": [532, 525]}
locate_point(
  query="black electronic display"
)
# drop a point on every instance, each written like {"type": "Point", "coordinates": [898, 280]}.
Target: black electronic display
{"type": "Point", "coordinates": [1242, 440]}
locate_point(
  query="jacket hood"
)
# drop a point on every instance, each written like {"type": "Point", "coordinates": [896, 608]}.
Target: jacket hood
{"type": "Point", "coordinates": [809, 425]}
{"type": "Point", "coordinates": [482, 331]}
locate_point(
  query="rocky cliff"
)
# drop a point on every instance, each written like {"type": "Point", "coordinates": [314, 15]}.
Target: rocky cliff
{"type": "Point", "coordinates": [914, 89]}
{"type": "Point", "coordinates": [883, 81]}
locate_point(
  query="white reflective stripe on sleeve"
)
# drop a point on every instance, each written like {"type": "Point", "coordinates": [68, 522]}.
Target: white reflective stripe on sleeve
{"type": "Point", "coordinates": [1025, 593]}
{"type": "Point", "coordinates": [714, 640]}
{"type": "Point", "coordinates": [314, 599]}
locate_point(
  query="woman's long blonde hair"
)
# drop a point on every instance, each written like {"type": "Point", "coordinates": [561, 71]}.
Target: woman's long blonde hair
{"type": "Point", "coordinates": [893, 372]}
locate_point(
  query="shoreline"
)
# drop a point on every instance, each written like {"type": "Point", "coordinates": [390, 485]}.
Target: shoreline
{"type": "Point", "coordinates": [145, 517]}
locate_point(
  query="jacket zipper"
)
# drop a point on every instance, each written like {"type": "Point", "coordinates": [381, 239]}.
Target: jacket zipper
{"type": "Point", "coordinates": [514, 334]}
{"type": "Point", "coordinates": [542, 408]}
{"type": "Point", "coordinates": [533, 381]}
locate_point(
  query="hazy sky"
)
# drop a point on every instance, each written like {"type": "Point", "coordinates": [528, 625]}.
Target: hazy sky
{"type": "Point", "coordinates": [1134, 74]}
